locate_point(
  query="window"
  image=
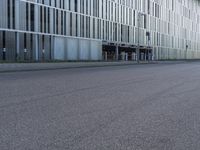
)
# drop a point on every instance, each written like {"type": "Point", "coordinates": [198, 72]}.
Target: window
{"type": "Point", "coordinates": [4, 39]}
{"type": "Point", "coordinates": [41, 20]}
{"type": "Point", "coordinates": [76, 5]}
{"type": "Point", "coordinates": [13, 13]}
{"type": "Point", "coordinates": [32, 16]}
{"type": "Point", "coordinates": [25, 46]}
{"type": "Point", "coordinates": [27, 13]}
{"type": "Point", "coordinates": [8, 10]}
{"type": "Point", "coordinates": [71, 32]}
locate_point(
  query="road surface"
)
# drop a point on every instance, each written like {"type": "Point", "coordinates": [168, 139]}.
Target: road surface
{"type": "Point", "coordinates": [139, 107]}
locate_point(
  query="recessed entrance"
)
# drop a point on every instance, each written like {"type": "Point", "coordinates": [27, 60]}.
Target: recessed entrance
{"type": "Point", "coordinates": [109, 52]}
{"type": "Point", "coordinates": [145, 54]}
{"type": "Point", "coordinates": [127, 54]}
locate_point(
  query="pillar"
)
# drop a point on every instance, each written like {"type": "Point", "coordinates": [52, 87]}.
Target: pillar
{"type": "Point", "coordinates": [138, 54]}
{"type": "Point", "coordinates": [117, 52]}
{"type": "Point", "coordinates": [17, 26]}
{"type": "Point", "coordinates": [37, 30]}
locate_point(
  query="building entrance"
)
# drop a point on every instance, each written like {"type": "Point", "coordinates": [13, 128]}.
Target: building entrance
{"type": "Point", "coordinates": [109, 53]}
{"type": "Point", "coordinates": [145, 54]}
{"type": "Point", "coordinates": [127, 54]}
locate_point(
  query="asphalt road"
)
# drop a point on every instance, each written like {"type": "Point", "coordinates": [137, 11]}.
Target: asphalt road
{"type": "Point", "coordinates": [139, 107]}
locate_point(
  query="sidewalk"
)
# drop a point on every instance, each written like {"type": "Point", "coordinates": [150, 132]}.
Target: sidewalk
{"type": "Point", "coordinates": [15, 67]}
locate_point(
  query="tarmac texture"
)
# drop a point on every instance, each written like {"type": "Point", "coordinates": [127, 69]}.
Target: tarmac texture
{"type": "Point", "coordinates": [138, 107]}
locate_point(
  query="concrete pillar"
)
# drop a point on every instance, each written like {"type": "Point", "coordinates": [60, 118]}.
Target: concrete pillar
{"type": "Point", "coordinates": [152, 54]}
{"type": "Point", "coordinates": [52, 47]}
{"type": "Point", "coordinates": [17, 45]}
{"type": "Point", "coordinates": [149, 55]}
{"type": "Point", "coordinates": [142, 56]}
{"type": "Point", "coordinates": [17, 19]}
{"type": "Point", "coordinates": [51, 22]}
{"type": "Point", "coordinates": [138, 55]}
{"type": "Point", "coordinates": [78, 19]}
{"type": "Point", "coordinates": [36, 25]}
{"type": "Point", "coordinates": [145, 55]}
{"type": "Point", "coordinates": [123, 55]}
{"type": "Point", "coordinates": [117, 52]}
{"type": "Point", "coordinates": [126, 56]}
{"type": "Point", "coordinates": [106, 56]}
{"type": "Point", "coordinates": [37, 30]}
{"type": "Point", "coordinates": [36, 47]}
{"type": "Point", "coordinates": [17, 26]}
{"type": "Point", "coordinates": [90, 50]}
{"type": "Point", "coordinates": [133, 56]}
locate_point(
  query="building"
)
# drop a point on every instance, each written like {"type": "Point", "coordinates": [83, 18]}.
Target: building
{"type": "Point", "coordinates": [36, 30]}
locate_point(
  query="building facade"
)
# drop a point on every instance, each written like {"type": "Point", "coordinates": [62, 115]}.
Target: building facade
{"type": "Point", "coordinates": [36, 30]}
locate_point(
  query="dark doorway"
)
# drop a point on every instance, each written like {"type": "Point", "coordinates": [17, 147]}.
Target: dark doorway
{"type": "Point", "coordinates": [109, 52]}
{"type": "Point", "coordinates": [127, 53]}
{"type": "Point", "coordinates": [145, 54]}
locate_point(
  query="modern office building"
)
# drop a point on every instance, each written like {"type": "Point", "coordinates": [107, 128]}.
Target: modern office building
{"type": "Point", "coordinates": [36, 30]}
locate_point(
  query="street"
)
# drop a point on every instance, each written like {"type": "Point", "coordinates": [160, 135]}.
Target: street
{"type": "Point", "coordinates": [134, 107]}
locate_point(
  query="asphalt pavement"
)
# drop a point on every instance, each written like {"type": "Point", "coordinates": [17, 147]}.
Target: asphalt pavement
{"type": "Point", "coordinates": [134, 107]}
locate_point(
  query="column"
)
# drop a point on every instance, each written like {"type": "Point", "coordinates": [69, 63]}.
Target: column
{"type": "Point", "coordinates": [117, 53]}
{"type": "Point", "coordinates": [36, 24]}
{"type": "Point", "coordinates": [17, 26]}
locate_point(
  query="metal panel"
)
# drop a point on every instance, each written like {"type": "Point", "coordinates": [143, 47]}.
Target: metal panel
{"type": "Point", "coordinates": [74, 24]}
{"type": "Point", "coordinates": [51, 21]}
{"type": "Point", "coordinates": [95, 50]}
{"type": "Point", "coordinates": [10, 46]}
{"type": "Point", "coordinates": [47, 47]}
{"type": "Point", "coordinates": [35, 47]}
{"type": "Point", "coordinates": [1, 45]}
{"type": "Point", "coordinates": [29, 52]}
{"type": "Point", "coordinates": [32, 50]}
{"type": "Point", "coordinates": [22, 17]}
{"type": "Point", "coordinates": [72, 49]}
{"type": "Point", "coordinates": [3, 13]}
{"type": "Point", "coordinates": [21, 46]}
{"type": "Point", "coordinates": [40, 49]}
{"type": "Point", "coordinates": [59, 48]}
{"type": "Point", "coordinates": [84, 49]}
{"type": "Point", "coordinates": [68, 23]}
